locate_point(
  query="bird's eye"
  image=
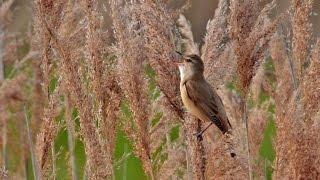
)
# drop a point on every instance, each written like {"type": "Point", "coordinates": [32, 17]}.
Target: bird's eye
{"type": "Point", "coordinates": [188, 60]}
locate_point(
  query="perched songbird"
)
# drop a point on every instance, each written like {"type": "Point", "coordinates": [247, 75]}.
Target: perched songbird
{"type": "Point", "coordinates": [198, 96]}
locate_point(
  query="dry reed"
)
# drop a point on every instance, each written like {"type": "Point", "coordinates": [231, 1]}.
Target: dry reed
{"type": "Point", "coordinates": [46, 9]}
{"type": "Point", "coordinates": [96, 78]}
{"type": "Point", "coordinates": [131, 60]}
{"type": "Point", "coordinates": [159, 40]}
{"type": "Point", "coordinates": [250, 32]}
{"type": "Point", "coordinates": [48, 131]}
{"type": "Point", "coordinates": [218, 57]}
{"type": "Point", "coordinates": [284, 86]}
{"type": "Point", "coordinates": [103, 84]}
{"type": "Point", "coordinates": [302, 33]}
{"type": "Point", "coordinates": [216, 52]}
{"type": "Point", "coordinates": [4, 19]}
{"type": "Point", "coordinates": [297, 142]}
{"type": "Point", "coordinates": [71, 136]}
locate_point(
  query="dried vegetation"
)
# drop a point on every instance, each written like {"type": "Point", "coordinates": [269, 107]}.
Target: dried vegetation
{"type": "Point", "coordinates": [78, 73]}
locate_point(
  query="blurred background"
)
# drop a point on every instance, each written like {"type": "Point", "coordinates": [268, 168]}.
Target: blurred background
{"type": "Point", "coordinates": [198, 14]}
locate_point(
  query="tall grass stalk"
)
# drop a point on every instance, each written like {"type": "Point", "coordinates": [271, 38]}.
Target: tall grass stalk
{"type": "Point", "coordinates": [1, 54]}
{"type": "Point", "coordinates": [245, 118]}
{"type": "Point", "coordinates": [53, 162]}
{"type": "Point", "coordinates": [35, 166]}
{"type": "Point", "coordinates": [4, 141]}
{"type": "Point", "coordinates": [71, 137]}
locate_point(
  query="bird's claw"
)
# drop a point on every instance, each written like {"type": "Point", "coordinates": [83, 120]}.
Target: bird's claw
{"type": "Point", "coordinates": [199, 136]}
{"type": "Point", "coordinates": [233, 154]}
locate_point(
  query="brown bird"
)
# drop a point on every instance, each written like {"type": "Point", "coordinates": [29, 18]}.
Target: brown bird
{"type": "Point", "coordinates": [198, 96]}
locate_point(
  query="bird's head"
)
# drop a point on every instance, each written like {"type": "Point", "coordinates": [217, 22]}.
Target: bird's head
{"type": "Point", "coordinates": [190, 66]}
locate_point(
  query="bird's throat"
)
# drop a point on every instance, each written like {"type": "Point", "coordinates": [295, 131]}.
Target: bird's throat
{"type": "Point", "coordinates": [182, 70]}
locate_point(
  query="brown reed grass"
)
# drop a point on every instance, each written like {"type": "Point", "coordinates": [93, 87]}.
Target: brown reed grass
{"type": "Point", "coordinates": [296, 143]}
{"type": "Point", "coordinates": [75, 48]}
{"type": "Point", "coordinates": [48, 131]}
{"type": "Point", "coordinates": [47, 9]}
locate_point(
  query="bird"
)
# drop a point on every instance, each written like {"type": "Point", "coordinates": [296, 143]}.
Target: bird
{"type": "Point", "coordinates": [199, 98]}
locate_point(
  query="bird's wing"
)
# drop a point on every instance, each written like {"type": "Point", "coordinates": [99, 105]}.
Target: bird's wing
{"type": "Point", "coordinates": [205, 98]}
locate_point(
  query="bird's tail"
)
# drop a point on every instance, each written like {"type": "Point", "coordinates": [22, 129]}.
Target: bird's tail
{"type": "Point", "coordinates": [229, 123]}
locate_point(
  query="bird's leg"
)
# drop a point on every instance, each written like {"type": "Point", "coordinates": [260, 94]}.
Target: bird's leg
{"type": "Point", "coordinates": [199, 134]}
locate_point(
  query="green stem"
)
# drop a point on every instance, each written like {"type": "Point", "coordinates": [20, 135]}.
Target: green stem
{"type": "Point", "coordinates": [33, 158]}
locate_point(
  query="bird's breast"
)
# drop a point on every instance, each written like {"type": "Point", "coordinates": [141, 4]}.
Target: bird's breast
{"type": "Point", "coordinates": [182, 71]}
{"type": "Point", "coordinates": [190, 105]}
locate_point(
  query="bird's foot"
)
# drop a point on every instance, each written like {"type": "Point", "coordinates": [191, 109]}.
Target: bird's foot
{"type": "Point", "coordinates": [232, 154]}
{"type": "Point", "coordinates": [199, 136]}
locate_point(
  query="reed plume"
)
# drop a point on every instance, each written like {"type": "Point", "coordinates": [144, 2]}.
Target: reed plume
{"type": "Point", "coordinates": [131, 60]}
{"type": "Point", "coordinates": [69, 65]}
{"type": "Point", "coordinates": [296, 142]}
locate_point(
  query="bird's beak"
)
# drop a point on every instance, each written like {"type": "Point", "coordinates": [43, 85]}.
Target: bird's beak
{"type": "Point", "coordinates": [179, 53]}
{"type": "Point", "coordinates": [178, 63]}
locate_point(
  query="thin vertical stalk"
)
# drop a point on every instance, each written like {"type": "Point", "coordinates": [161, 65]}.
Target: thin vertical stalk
{"type": "Point", "coordinates": [23, 155]}
{"type": "Point", "coordinates": [4, 142]}
{"type": "Point", "coordinates": [71, 141]}
{"type": "Point", "coordinates": [290, 60]}
{"type": "Point", "coordinates": [33, 157]}
{"type": "Point", "coordinates": [1, 55]}
{"type": "Point", "coordinates": [293, 74]}
{"type": "Point", "coordinates": [201, 152]}
{"type": "Point", "coordinates": [54, 168]}
{"type": "Point", "coordinates": [189, 164]}
{"type": "Point", "coordinates": [125, 168]}
{"type": "Point", "coordinates": [245, 118]}
{"type": "Point", "coordinates": [4, 130]}
{"type": "Point", "coordinates": [4, 9]}
{"type": "Point", "coordinates": [196, 163]}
